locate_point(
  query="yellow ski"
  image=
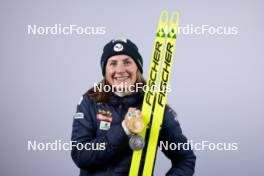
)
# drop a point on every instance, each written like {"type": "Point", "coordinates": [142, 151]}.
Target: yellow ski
{"type": "Point", "coordinates": [160, 102]}
{"type": "Point", "coordinates": [154, 101]}
{"type": "Point", "coordinates": [148, 101]}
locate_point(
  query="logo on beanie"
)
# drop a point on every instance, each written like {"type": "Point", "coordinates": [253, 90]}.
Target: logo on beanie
{"type": "Point", "coordinates": [118, 47]}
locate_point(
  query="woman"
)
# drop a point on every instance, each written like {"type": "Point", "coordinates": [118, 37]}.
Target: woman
{"type": "Point", "coordinates": [102, 120]}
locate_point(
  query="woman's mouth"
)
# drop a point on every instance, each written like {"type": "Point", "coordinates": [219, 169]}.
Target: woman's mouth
{"type": "Point", "coordinates": [122, 79]}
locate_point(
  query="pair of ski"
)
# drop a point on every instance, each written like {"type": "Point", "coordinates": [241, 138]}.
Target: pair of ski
{"type": "Point", "coordinates": [155, 100]}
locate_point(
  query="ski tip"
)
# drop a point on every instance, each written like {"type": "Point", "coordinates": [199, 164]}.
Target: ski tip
{"type": "Point", "coordinates": [162, 25]}
{"type": "Point", "coordinates": [164, 16]}
{"type": "Point", "coordinates": [173, 25]}
{"type": "Point", "coordinates": [174, 18]}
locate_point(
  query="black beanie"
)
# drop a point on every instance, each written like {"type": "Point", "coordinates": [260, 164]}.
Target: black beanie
{"type": "Point", "coordinates": [118, 47]}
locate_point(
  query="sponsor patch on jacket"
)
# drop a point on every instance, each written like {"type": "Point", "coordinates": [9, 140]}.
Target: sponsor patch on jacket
{"type": "Point", "coordinates": [104, 125]}
{"type": "Point", "coordinates": [78, 115]}
{"type": "Point", "coordinates": [103, 118]}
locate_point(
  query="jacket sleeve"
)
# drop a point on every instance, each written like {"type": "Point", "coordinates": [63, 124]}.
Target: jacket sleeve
{"type": "Point", "coordinates": [182, 159]}
{"type": "Point", "coordinates": [84, 131]}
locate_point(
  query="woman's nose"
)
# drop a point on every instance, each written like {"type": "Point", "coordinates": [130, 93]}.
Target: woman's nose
{"type": "Point", "coordinates": [120, 68]}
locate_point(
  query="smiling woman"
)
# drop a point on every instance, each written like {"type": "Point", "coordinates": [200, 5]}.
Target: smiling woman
{"type": "Point", "coordinates": [113, 117]}
{"type": "Point", "coordinates": [121, 70]}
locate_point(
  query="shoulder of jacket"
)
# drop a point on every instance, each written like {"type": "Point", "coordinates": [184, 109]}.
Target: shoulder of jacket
{"type": "Point", "coordinates": [171, 112]}
{"type": "Point", "coordinates": [85, 107]}
{"type": "Point", "coordinates": [86, 99]}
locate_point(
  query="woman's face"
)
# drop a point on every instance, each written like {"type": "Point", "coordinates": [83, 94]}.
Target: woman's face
{"type": "Point", "coordinates": [121, 70]}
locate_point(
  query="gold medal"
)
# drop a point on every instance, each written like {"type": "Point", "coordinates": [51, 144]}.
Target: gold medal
{"type": "Point", "coordinates": [135, 124]}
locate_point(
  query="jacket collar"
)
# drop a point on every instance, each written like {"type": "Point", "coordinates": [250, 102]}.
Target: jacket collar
{"type": "Point", "coordinates": [133, 100]}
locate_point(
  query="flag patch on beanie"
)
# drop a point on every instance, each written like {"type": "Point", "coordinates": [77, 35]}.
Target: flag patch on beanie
{"type": "Point", "coordinates": [118, 47]}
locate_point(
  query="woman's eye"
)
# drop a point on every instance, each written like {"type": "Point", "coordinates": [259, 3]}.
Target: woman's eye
{"type": "Point", "coordinates": [127, 62]}
{"type": "Point", "coordinates": [112, 64]}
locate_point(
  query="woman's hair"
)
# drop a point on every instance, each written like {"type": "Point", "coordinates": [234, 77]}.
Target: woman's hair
{"type": "Point", "coordinates": [103, 96]}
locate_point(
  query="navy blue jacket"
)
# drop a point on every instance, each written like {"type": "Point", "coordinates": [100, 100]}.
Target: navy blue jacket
{"type": "Point", "coordinates": [111, 154]}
